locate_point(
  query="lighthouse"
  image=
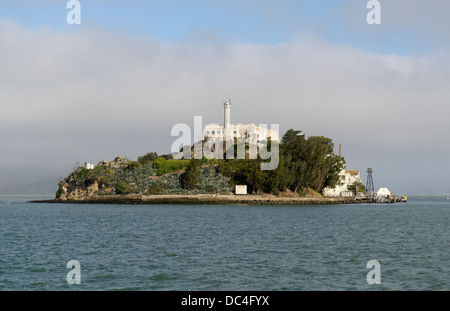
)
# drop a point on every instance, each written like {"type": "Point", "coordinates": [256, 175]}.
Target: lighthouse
{"type": "Point", "coordinates": [227, 113]}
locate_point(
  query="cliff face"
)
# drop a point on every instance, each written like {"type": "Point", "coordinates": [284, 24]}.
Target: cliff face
{"type": "Point", "coordinates": [125, 177]}
{"type": "Point", "coordinates": [71, 191]}
{"type": "Point", "coordinates": [83, 183]}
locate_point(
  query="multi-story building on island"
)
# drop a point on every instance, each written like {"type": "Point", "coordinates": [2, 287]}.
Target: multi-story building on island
{"type": "Point", "coordinates": [228, 131]}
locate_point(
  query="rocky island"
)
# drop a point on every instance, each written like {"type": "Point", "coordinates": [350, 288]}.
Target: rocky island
{"type": "Point", "coordinates": [306, 167]}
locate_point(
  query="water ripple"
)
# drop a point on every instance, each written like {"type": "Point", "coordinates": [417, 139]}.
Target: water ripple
{"type": "Point", "coordinates": [224, 247]}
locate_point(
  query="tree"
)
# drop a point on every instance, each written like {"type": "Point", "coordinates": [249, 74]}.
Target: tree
{"type": "Point", "coordinates": [311, 161]}
{"type": "Point", "coordinates": [149, 157]}
{"type": "Point", "coordinates": [192, 174]}
{"type": "Point", "coordinates": [303, 163]}
{"type": "Point", "coordinates": [278, 179]}
{"type": "Point", "coordinates": [289, 136]}
{"type": "Point", "coordinates": [253, 175]}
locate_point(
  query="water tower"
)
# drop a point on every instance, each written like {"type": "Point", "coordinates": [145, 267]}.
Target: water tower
{"type": "Point", "coordinates": [369, 183]}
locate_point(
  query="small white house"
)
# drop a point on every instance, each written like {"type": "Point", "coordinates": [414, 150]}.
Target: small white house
{"type": "Point", "coordinates": [89, 165]}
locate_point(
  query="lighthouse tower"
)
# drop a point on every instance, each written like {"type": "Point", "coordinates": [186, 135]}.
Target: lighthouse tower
{"type": "Point", "coordinates": [227, 106]}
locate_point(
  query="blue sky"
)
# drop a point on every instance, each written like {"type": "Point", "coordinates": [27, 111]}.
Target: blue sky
{"type": "Point", "coordinates": [170, 21]}
{"type": "Point", "coordinates": [251, 21]}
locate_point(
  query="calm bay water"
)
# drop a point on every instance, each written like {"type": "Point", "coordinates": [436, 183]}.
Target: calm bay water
{"type": "Point", "coordinates": [162, 247]}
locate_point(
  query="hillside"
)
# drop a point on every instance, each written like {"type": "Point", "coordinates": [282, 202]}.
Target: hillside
{"type": "Point", "coordinates": [123, 176]}
{"type": "Point", "coordinates": [305, 166]}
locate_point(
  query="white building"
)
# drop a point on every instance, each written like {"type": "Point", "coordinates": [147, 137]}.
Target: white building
{"type": "Point", "coordinates": [348, 180]}
{"type": "Point", "coordinates": [89, 165]}
{"type": "Point", "coordinates": [228, 131]}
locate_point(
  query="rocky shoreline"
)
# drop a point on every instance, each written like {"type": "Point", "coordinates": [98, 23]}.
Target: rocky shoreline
{"type": "Point", "coordinates": [209, 199]}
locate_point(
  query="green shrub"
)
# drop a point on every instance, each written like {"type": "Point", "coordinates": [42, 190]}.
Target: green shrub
{"type": "Point", "coordinates": [213, 162]}
{"type": "Point", "coordinates": [122, 188]}
{"type": "Point", "coordinates": [209, 189]}
{"type": "Point", "coordinates": [149, 157]}
{"type": "Point", "coordinates": [105, 180]}
{"type": "Point", "coordinates": [156, 188]}
{"type": "Point", "coordinates": [164, 166]}
{"type": "Point", "coordinates": [167, 156]}
{"type": "Point", "coordinates": [134, 165]}
{"type": "Point", "coordinates": [82, 173]}
{"type": "Point", "coordinates": [59, 192]}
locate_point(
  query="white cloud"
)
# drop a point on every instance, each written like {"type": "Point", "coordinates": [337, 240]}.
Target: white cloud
{"type": "Point", "coordinates": [68, 97]}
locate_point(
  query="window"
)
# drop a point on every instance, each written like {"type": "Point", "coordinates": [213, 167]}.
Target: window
{"type": "Point", "coordinates": [213, 132]}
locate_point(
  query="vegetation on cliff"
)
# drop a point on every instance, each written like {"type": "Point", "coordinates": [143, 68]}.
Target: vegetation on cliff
{"type": "Point", "coordinates": [161, 175]}
{"type": "Point", "coordinates": [306, 165]}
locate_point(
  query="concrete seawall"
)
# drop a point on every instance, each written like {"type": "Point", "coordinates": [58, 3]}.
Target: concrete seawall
{"type": "Point", "coordinates": [209, 199]}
